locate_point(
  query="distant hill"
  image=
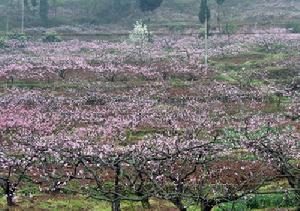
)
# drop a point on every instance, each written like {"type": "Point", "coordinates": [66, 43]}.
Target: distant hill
{"type": "Point", "coordinates": [240, 11]}
{"type": "Point", "coordinates": [172, 13]}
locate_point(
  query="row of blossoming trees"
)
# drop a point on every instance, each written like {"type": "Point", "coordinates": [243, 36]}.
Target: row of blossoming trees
{"type": "Point", "coordinates": [109, 61]}
{"type": "Point", "coordinates": [203, 142]}
{"type": "Point", "coordinates": [190, 158]}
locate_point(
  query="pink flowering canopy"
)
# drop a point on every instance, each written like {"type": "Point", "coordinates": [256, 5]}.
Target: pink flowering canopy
{"type": "Point", "coordinates": [128, 127]}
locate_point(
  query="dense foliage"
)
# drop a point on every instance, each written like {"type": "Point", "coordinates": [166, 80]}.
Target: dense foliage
{"type": "Point", "coordinates": [204, 13]}
{"type": "Point", "coordinates": [44, 10]}
{"type": "Point", "coordinates": [150, 5]}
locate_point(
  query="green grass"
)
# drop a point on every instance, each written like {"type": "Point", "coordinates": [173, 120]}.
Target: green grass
{"type": "Point", "coordinates": [178, 83]}
{"type": "Point", "coordinates": [281, 73]}
{"type": "Point", "coordinates": [260, 202]}
{"type": "Point", "coordinates": [113, 51]}
{"type": "Point", "coordinates": [39, 85]}
{"type": "Point", "coordinates": [244, 69]}
{"type": "Point", "coordinates": [294, 26]}
{"type": "Point", "coordinates": [56, 204]}
{"type": "Point", "coordinates": [73, 204]}
{"type": "Point", "coordinates": [257, 83]}
{"type": "Point", "coordinates": [64, 202]}
{"type": "Point", "coordinates": [226, 77]}
{"type": "Point", "coordinates": [241, 59]}
{"type": "Point", "coordinates": [137, 135]}
{"type": "Point", "coordinates": [79, 203]}
{"type": "Point", "coordinates": [27, 85]}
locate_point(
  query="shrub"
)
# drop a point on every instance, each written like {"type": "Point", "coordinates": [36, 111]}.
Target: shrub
{"type": "Point", "coordinates": [17, 36]}
{"type": "Point", "coordinates": [150, 5]}
{"type": "Point", "coordinates": [293, 27]}
{"type": "Point", "coordinates": [3, 43]}
{"type": "Point", "coordinates": [51, 37]}
{"type": "Point", "coordinates": [271, 200]}
{"type": "Point", "coordinates": [201, 33]}
{"type": "Point", "coordinates": [230, 28]}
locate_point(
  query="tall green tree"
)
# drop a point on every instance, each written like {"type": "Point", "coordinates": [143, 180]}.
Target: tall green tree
{"type": "Point", "coordinates": [149, 5]}
{"type": "Point", "coordinates": [44, 11]}
{"type": "Point", "coordinates": [121, 8]}
{"type": "Point", "coordinates": [219, 11]}
{"type": "Point", "coordinates": [220, 2]}
{"type": "Point", "coordinates": [204, 13]}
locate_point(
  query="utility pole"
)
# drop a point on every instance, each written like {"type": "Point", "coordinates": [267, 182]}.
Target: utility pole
{"type": "Point", "coordinates": [206, 40]}
{"type": "Point", "coordinates": [23, 14]}
{"type": "Point", "coordinates": [7, 16]}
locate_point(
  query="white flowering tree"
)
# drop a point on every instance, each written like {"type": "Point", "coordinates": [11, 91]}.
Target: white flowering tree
{"type": "Point", "coordinates": [140, 36]}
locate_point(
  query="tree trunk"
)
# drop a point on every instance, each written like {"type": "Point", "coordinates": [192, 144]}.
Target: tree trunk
{"type": "Point", "coordinates": [219, 18]}
{"type": "Point", "coordinates": [55, 7]}
{"type": "Point", "coordinates": [177, 202]}
{"type": "Point", "coordinates": [116, 204]}
{"type": "Point", "coordinates": [294, 182]}
{"type": "Point", "coordinates": [141, 193]}
{"type": "Point", "coordinates": [145, 203]}
{"type": "Point", "coordinates": [207, 207]}
{"type": "Point", "coordinates": [44, 11]}
{"type": "Point", "coordinates": [145, 200]}
{"type": "Point", "coordinates": [206, 41]}
{"type": "Point", "coordinates": [9, 194]}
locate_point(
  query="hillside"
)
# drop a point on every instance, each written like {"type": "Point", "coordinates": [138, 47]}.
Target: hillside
{"type": "Point", "coordinates": [173, 13]}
